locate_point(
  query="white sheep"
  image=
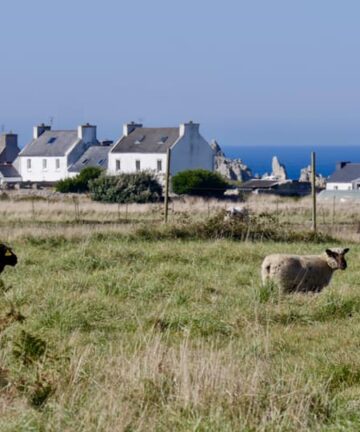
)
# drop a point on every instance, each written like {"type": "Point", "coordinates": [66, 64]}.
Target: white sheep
{"type": "Point", "coordinates": [237, 213]}
{"type": "Point", "coordinates": [303, 272]}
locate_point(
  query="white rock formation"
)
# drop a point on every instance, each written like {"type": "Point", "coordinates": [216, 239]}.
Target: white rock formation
{"type": "Point", "coordinates": [278, 169]}
{"type": "Point", "coordinates": [305, 176]}
{"type": "Point", "coordinates": [233, 169]}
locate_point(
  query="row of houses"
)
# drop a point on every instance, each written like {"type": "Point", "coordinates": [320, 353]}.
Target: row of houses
{"type": "Point", "coordinates": [53, 155]}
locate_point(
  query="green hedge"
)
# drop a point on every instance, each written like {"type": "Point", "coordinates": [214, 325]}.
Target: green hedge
{"type": "Point", "coordinates": [140, 187]}
{"type": "Point", "coordinates": [79, 183]}
{"type": "Point", "coordinates": [199, 182]}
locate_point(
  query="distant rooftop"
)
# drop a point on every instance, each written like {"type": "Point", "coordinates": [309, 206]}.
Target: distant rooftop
{"type": "Point", "coordinates": [346, 174]}
{"type": "Point", "coordinates": [147, 140]}
{"type": "Point", "coordinates": [95, 156]}
{"type": "Point", "coordinates": [51, 143]}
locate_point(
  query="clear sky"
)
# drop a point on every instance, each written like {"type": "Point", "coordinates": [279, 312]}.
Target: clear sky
{"type": "Point", "coordinates": [251, 72]}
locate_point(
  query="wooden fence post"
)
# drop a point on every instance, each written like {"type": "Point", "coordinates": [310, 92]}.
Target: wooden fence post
{"type": "Point", "coordinates": [167, 182]}
{"type": "Point", "coordinates": [313, 190]}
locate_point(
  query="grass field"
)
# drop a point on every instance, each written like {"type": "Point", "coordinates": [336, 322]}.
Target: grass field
{"type": "Point", "coordinates": [101, 330]}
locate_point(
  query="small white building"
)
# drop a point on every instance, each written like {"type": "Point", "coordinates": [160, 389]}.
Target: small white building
{"type": "Point", "coordinates": [50, 154]}
{"type": "Point", "coordinates": [143, 148]}
{"type": "Point", "coordinates": [346, 177]}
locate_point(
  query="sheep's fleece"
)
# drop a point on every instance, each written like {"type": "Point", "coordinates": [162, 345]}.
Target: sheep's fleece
{"type": "Point", "coordinates": [303, 272]}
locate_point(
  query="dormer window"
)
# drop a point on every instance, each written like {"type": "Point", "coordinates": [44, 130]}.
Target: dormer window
{"type": "Point", "coordinates": [51, 140]}
{"type": "Point", "coordinates": [162, 140]}
{"type": "Point", "coordinates": [139, 139]}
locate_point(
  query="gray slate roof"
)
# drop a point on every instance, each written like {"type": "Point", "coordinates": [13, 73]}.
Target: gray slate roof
{"type": "Point", "coordinates": [8, 171]}
{"type": "Point", "coordinates": [92, 157]}
{"type": "Point", "coordinates": [51, 143]}
{"type": "Point", "coordinates": [147, 140]}
{"type": "Point", "coordinates": [347, 174]}
{"type": "Point", "coordinates": [9, 153]}
{"type": "Point", "coordinates": [259, 184]}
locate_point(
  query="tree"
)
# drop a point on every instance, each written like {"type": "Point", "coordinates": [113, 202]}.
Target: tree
{"type": "Point", "coordinates": [79, 183]}
{"type": "Point", "coordinates": [199, 182]}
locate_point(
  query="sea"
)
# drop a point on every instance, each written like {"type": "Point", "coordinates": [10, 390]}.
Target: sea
{"type": "Point", "coordinates": [258, 158]}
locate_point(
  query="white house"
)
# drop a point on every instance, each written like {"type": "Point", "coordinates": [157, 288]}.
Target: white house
{"type": "Point", "coordinates": [346, 177]}
{"type": "Point", "coordinates": [51, 153]}
{"type": "Point", "coordinates": [143, 148]}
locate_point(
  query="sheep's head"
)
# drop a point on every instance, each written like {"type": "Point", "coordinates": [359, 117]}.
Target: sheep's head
{"type": "Point", "coordinates": [336, 258]}
{"type": "Point", "coordinates": [7, 257]}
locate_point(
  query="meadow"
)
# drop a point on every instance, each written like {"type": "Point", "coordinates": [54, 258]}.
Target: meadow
{"type": "Point", "coordinates": [113, 322]}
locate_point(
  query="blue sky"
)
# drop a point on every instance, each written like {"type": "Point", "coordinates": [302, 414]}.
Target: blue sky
{"type": "Point", "coordinates": [251, 72]}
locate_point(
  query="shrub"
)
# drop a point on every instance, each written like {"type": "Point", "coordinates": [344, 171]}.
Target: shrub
{"type": "Point", "coordinates": [199, 182]}
{"type": "Point", "coordinates": [140, 187]}
{"type": "Point", "coordinates": [79, 183]}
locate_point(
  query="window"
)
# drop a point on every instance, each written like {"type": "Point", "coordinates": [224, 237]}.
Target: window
{"type": "Point", "coordinates": [57, 164]}
{"type": "Point", "coordinates": [28, 164]}
{"type": "Point", "coordinates": [117, 165]}
{"type": "Point", "coordinates": [139, 139]}
{"type": "Point", "coordinates": [162, 140]}
{"type": "Point", "coordinates": [84, 161]}
{"type": "Point", "coordinates": [101, 161]}
{"type": "Point", "coordinates": [159, 165]}
{"type": "Point", "coordinates": [44, 164]}
{"type": "Point", "coordinates": [51, 140]}
{"type": "Point", "coordinates": [137, 165]}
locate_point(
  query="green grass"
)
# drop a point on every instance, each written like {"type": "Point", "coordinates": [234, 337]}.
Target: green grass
{"type": "Point", "coordinates": [130, 334]}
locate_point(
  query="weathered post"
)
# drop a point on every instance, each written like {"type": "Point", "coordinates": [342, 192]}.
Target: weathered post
{"type": "Point", "coordinates": [167, 182]}
{"type": "Point", "coordinates": [313, 190]}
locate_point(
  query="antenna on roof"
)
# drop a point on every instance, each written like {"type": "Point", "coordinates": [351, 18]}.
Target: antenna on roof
{"type": "Point", "coordinates": [51, 121]}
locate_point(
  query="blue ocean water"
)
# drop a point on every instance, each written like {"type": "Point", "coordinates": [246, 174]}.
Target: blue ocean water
{"type": "Point", "coordinates": [258, 158]}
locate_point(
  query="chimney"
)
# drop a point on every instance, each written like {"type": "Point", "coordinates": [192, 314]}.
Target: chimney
{"type": "Point", "coordinates": [106, 143]}
{"type": "Point", "coordinates": [129, 127]}
{"type": "Point", "coordinates": [87, 133]}
{"type": "Point", "coordinates": [190, 127]}
{"type": "Point", "coordinates": [340, 165]}
{"type": "Point", "coordinates": [38, 130]}
{"type": "Point", "coordinates": [11, 148]}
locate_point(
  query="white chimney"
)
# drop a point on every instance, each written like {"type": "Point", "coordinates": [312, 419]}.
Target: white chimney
{"type": "Point", "coordinates": [129, 127]}
{"type": "Point", "coordinates": [87, 133]}
{"type": "Point", "coordinates": [39, 130]}
{"type": "Point", "coordinates": [190, 127]}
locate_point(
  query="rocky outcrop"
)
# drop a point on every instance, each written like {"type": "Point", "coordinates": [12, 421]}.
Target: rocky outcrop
{"type": "Point", "coordinates": [278, 169]}
{"type": "Point", "coordinates": [305, 176]}
{"type": "Point", "coordinates": [233, 169]}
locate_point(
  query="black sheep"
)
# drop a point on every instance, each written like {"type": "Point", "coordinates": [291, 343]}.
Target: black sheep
{"type": "Point", "coordinates": [7, 257]}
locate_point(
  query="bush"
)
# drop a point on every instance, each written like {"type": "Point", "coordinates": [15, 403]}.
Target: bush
{"type": "Point", "coordinates": [139, 187]}
{"type": "Point", "coordinates": [199, 182]}
{"type": "Point", "coordinates": [79, 183]}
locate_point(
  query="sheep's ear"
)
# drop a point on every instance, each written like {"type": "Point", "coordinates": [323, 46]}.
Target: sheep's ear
{"type": "Point", "coordinates": [330, 253]}
{"type": "Point", "coordinates": [3, 249]}
{"type": "Point", "coordinates": [345, 251]}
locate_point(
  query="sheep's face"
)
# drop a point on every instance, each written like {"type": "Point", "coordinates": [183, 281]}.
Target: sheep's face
{"type": "Point", "coordinates": [7, 257]}
{"type": "Point", "coordinates": [336, 258]}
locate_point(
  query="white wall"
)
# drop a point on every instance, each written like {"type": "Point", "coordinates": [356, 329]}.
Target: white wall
{"type": "Point", "coordinates": [148, 161]}
{"type": "Point", "coordinates": [37, 174]}
{"type": "Point", "coordinates": [339, 186]}
{"type": "Point", "coordinates": [191, 151]}
{"type": "Point", "coordinates": [9, 179]}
